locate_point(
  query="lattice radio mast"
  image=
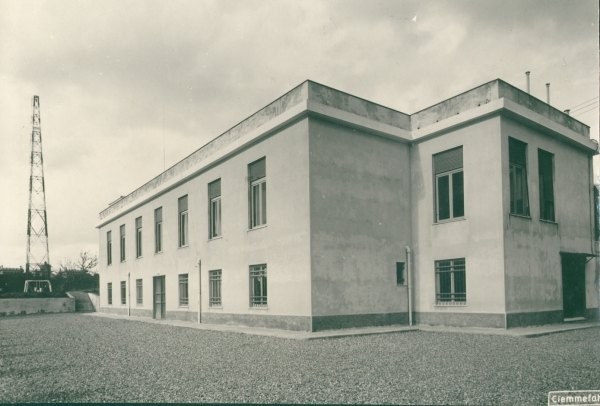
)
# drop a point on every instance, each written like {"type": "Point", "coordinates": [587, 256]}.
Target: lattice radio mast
{"type": "Point", "coordinates": [37, 221]}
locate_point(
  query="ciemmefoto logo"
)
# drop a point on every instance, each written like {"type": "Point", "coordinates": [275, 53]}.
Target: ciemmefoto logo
{"type": "Point", "coordinates": [574, 397]}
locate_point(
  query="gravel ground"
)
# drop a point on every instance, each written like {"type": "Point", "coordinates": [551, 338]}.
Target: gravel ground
{"type": "Point", "coordinates": [75, 358]}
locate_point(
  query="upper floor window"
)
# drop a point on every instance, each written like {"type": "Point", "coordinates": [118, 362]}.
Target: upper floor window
{"type": "Point", "coordinates": [158, 230]}
{"type": "Point", "coordinates": [257, 186]}
{"type": "Point", "coordinates": [546, 173]}
{"type": "Point", "coordinates": [108, 247]}
{"type": "Point", "coordinates": [214, 209]}
{"type": "Point", "coordinates": [182, 204]}
{"type": "Point", "coordinates": [138, 237]}
{"type": "Point", "coordinates": [517, 159]}
{"type": "Point", "coordinates": [449, 184]}
{"type": "Point", "coordinates": [122, 241]}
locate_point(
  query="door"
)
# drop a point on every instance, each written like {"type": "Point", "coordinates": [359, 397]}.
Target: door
{"type": "Point", "coordinates": [573, 281]}
{"type": "Point", "coordinates": [159, 297]}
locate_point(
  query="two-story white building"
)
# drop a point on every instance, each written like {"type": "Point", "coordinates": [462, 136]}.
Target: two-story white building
{"type": "Point", "coordinates": [323, 210]}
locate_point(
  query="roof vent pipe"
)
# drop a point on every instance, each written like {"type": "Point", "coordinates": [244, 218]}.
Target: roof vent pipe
{"type": "Point", "coordinates": [568, 112]}
{"type": "Point", "coordinates": [548, 93]}
{"type": "Point", "coordinates": [528, 85]}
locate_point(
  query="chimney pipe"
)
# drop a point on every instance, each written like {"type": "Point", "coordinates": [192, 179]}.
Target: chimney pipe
{"type": "Point", "coordinates": [528, 88]}
{"type": "Point", "coordinates": [548, 93]}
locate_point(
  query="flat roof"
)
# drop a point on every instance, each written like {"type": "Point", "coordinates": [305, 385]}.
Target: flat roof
{"type": "Point", "coordinates": [310, 97]}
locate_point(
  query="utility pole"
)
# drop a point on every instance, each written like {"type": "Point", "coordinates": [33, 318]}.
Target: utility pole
{"type": "Point", "coordinates": [38, 257]}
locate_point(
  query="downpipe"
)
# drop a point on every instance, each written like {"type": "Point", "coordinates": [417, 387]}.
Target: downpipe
{"type": "Point", "coordinates": [128, 294]}
{"type": "Point", "coordinates": [409, 285]}
{"type": "Point", "coordinates": [199, 291]}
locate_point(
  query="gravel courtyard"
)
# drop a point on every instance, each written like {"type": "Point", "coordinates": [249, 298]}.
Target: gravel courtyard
{"type": "Point", "coordinates": [77, 358]}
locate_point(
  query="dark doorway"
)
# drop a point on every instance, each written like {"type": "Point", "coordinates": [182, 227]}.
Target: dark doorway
{"type": "Point", "coordinates": [573, 281]}
{"type": "Point", "coordinates": [159, 297]}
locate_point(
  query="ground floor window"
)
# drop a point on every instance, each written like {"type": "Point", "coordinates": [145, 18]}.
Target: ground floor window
{"type": "Point", "coordinates": [258, 285]}
{"type": "Point", "coordinates": [123, 292]}
{"type": "Point", "coordinates": [400, 273]}
{"type": "Point", "coordinates": [214, 286]}
{"type": "Point", "coordinates": [139, 291]}
{"type": "Point", "coordinates": [109, 292]}
{"type": "Point", "coordinates": [450, 281]}
{"type": "Point", "coordinates": [183, 290]}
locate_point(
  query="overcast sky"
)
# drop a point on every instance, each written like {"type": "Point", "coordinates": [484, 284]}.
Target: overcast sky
{"type": "Point", "coordinates": [129, 87]}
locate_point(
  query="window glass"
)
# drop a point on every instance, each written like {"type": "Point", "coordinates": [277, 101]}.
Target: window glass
{"type": "Point", "coordinates": [258, 285]}
{"type": "Point", "coordinates": [158, 230]}
{"type": "Point", "coordinates": [519, 196]}
{"type": "Point", "coordinates": [257, 193]}
{"type": "Point", "coordinates": [450, 280]}
{"type": "Point", "coordinates": [546, 183]}
{"type": "Point", "coordinates": [449, 184]}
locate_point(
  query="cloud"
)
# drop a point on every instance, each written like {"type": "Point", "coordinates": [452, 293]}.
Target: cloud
{"type": "Point", "coordinates": [125, 83]}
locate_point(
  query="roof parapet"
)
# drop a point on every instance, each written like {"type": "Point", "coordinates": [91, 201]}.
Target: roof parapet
{"type": "Point", "coordinates": [323, 101]}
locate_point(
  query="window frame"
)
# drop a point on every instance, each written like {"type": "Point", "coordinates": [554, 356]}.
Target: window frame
{"type": "Point", "coordinates": [123, 292]}
{"type": "Point", "coordinates": [518, 179]}
{"type": "Point", "coordinates": [258, 278]}
{"type": "Point", "coordinates": [215, 283]}
{"type": "Point", "coordinates": [452, 191]}
{"type": "Point", "coordinates": [122, 243]}
{"type": "Point", "coordinates": [183, 220]}
{"type": "Point", "coordinates": [184, 290]}
{"type": "Point", "coordinates": [158, 230]}
{"type": "Point", "coordinates": [109, 293]}
{"type": "Point", "coordinates": [214, 211]}
{"type": "Point", "coordinates": [454, 297]}
{"type": "Point", "coordinates": [546, 186]}
{"type": "Point", "coordinates": [109, 248]}
{"type": "Point", "coordinates": [138, 237]}
{"type": "Point", "coordinates": [139, 291]}
{"type": "Point", "coordinates": [257, 202]}
{"type": "Point", "coordinates": [400, 274]}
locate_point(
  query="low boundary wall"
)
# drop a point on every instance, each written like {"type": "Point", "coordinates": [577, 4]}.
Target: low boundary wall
{"type": "Point", "coordinates": [18, 307]}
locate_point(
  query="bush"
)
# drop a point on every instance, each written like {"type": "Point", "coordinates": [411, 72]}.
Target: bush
{"type": "Point", "coordinates": [23, 295]}
{"type": "Point", "coordinates": [63, 281]}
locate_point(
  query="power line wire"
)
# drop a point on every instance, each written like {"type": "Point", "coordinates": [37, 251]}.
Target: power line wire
{"type": "Point", "coordinates": [583, 102]}
{"type": "Point", "coordinates": [585, 106]}
{"type": "Point", "coordinates": [579, 113]}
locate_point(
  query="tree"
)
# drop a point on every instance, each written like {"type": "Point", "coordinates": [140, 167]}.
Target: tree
{"type": "Point", "coordinates": [86, 262]}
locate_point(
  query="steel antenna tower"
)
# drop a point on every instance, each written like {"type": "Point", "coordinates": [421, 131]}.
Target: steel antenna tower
{"type": "Point", "coordinates": [37, 222]}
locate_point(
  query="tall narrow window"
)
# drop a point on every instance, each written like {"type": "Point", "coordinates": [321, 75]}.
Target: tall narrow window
{"type": "Point", "coordinates": [258, 285]}
{"type": "Point", "coordinates": [138, 237]}
{"type": "Point", "coordinates": [546, 173]}
{"type": "Point", "coordinates": [449, 184]}
{"type": "Point", "coordinates": [109, 292]}
{"type": "Point", "coordinates": [214, 286]}
{"type": "Point", "coordinates": [123, 292]}
{"type": "Point", "coordinates": [450, 281]}
{"type": "Point", "coordinates": [122, 241]}
{"type": "Point", "coordinates": [108, 247]}
{"type": "Point", "coordinates": [183, 290]}
{"type": "Point", "coordinates": [400, 270]}
{"type": "Point", "coordinates": [139, 291]}
{"type": "Point", "coordinates": [158, 230]}
{"type": "Point", "coordinates": [214, 209]}
{"type": "Point", "coordinates": [519, 196]}
{"type": "Point", "coordinates": [257, 186]}
{"type": "Point", "coordinates": [182, 204]}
